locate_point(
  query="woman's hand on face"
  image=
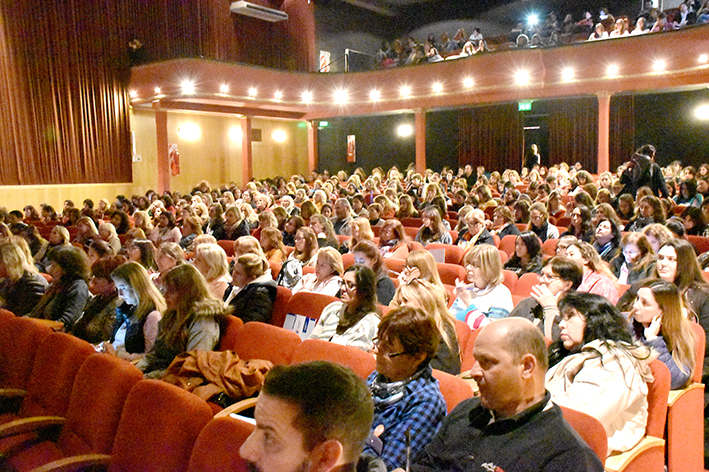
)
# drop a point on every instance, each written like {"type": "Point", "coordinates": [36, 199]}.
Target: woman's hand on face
{"type": "Point", "coordinates": [653, 329]}
{"type": "Point", "coordinates": [409, 274]}
{"type": "Point", "coordinates": [543, 296]}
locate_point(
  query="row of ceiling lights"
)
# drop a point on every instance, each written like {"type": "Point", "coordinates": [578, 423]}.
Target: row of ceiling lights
{"type": "Point", "coordinates": [341, 97]}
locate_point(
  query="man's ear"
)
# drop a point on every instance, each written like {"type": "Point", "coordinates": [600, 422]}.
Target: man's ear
{"type": "Point", "coordinates": [326, 456]}
{"type": "Point", "coordinates": [529, 365]}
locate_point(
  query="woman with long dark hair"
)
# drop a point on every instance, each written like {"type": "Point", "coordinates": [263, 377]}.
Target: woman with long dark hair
{"type": "Point", "coordinates": [354, 320]}
{"type": "Point", "coordinates": [597, 368]}
{"type": "Point", "coordinates": [527, 256]}
{"type": "Point", "coordinates": [659, 321]}
{"type": "Point", "coordinates": [66, 297]}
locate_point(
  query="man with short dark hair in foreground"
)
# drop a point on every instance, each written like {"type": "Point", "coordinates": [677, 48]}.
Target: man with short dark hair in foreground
{"type": "Point", "coordinates": [512, 426]}
{"type": "Point", "coordinates": [309, 417]}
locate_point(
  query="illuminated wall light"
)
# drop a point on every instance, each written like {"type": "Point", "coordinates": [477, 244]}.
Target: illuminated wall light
{"type": "Point", "coordinates": [568, 74]}
{"type": "Point", "coordinates": [189, 131]}
{"type": "Point", "coordinates": [468, 83]}
{"type": "Point", "coordinates": [279, 136]}
{"type": "Point", "coordinates": [235, 134]}
{"type": "Point", "coordinates": [522, 77]}
{"type": "Point", "coordinates": [341, 97]}
{"type": "Point", "coordinates": [405, 91]}
{"type": "Point", "coordinates": [659, 65]}
{"type": "Point", "coordinates": [252, 92]}
{"type": "Point", "coordinates": [187, 87]}
{"type": "Point", "coordinates": [405, 130]}
{"type": "Point", "coordinates": [157, 91]}
{"type": "Point", "coordinates": [702, 112]}
{"type": "Point", "coordinates": [375, 95]}
{"type": "Point", "coordinates": [307, 97]}
{"type": "Point", "coordinates": [278, 95]}
{"type": "Point", "coordinates": [703, 58]}
{"type": "Point", "coordinates": [437, 88]}
{"type": "Point", "coordinates": [224, 88]}
{"type": "Point", "coordinates": [612, 70]}
{"type": "Point", "coordinates": [133, 94]}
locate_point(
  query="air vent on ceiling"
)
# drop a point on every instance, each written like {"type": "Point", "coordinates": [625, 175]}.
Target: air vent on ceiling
{"type": "Point", "coordinates": [258, 11]}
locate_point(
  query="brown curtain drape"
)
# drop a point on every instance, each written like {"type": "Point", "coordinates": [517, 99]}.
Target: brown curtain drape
{"type": "Point", "coordinates": [622, 129]}
{"type": "Point", "coordinates": [64, 107]}
{"type": "Point", "coordinates": [573, 132]}
{"type": "Point", "coordinates": [491, 136]}
{"type": "Point", "coordinates": [64, 68]}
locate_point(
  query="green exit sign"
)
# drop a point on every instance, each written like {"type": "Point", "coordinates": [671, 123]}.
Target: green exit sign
{"type": "Point", "coordinates": [525, 106]}
{"type": "Point", "coordinates": [323, 124]}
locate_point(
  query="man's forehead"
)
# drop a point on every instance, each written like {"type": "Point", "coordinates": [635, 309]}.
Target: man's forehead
{"type": "Point", "coordinates": [273, 413]}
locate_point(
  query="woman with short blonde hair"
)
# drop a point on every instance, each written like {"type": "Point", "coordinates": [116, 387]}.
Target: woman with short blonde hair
{"type": "Point", "coordinates": [327, 277]}
{"type": "Point", "coordinates": [211, 261]}
{"type": "Point", "coordinates": [485, 297]}
{"type": "Point", "coordinates": [22, 285]}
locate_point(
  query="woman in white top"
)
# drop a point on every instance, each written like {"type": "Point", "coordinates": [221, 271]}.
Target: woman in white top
{"type": "Point", "coordinates": [327, 277]}
{"type": "Point", "coordinates": [484, 298]}
{"type": "Point", "coordinates": [211, 261]}
{"type": "Point", "coordinates": [166, 231]}
{"type": "Point", "coordinates": [354, 320]}
{"type": "Point", "coordinates": [107, 232]}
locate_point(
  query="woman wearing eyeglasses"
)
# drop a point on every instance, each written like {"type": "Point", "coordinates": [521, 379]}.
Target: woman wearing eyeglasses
{"type": "Point", "coordinates": [408, 405]}
{"type": "Point", "coordinates": [559, 275]}
{"type": "Point", "coordinates": [636, 261]}
{"type": "Point", "coordinates": [354, 320]}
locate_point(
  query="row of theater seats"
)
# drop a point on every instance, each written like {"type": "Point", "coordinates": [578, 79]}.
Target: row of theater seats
{"type": "Point", "coordinates": [100, 409]}
{"type": "Point", "coordinates": [100, 405]}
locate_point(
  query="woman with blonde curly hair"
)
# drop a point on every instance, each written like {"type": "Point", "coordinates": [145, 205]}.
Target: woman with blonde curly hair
{"type": "Point", "coordinates": [432, 300]}
{"type": "Point", "coordinates": [211, 261]}
{"type": "Point", "coordinates": [597, 277]}
{"type": "Point", "coordinates": [360, 230]}
{"type": "Point", "coordinates": [406, 208]}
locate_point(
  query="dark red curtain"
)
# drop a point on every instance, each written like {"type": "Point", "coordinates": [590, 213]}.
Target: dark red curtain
{"type": "Point", "coordinates": [64, 68]}
{"type": "Point", "coordinates": [64, 109]}
{"type": "Point", "coordinates": [622, 129]}
{"type": "Point", "coordinates": [573, 131]}
{"type": "Point", "coordinates": [491, 136]}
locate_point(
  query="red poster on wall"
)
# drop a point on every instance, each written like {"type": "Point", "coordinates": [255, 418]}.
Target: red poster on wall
{"type": "Point", "coordinates": [174, 159]}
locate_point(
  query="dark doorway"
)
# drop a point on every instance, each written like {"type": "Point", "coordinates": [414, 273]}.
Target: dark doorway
{"type": "Point", "coordinates": [536, 131]}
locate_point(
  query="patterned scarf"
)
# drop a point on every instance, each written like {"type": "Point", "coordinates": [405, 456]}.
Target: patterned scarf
{"type": "Point", "coordinates": [387, 393]}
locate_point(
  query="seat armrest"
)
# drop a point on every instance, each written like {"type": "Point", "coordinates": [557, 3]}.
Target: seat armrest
{"type": "Point", "coordinates": [11, 393]}
{"type": "Point", "coordinates": [86, 462]}
{"type": "Point", "coordinates": [619, 461]}
{"type": "Point", "coordinates": [675, 395]}
{"type": "Point", "coordinates": [29, 425]}
{"type": "Point", "coordinates": [237, 407]}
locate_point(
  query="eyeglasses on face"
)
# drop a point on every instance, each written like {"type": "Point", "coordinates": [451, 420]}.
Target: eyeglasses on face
{"type": "Point", "coordinates": [378, 345]}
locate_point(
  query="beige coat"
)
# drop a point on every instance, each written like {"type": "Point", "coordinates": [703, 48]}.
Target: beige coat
{"type": "Point", "coordinates": [609, 384]}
